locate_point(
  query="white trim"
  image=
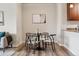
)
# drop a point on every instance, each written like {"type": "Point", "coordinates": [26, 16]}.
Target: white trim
{"type": "Point", "coordinates": [70, 50]}
{"type": "Point", "coordinates": [59, 43]}
{"type": "Point", "coordinates": [66, 47]}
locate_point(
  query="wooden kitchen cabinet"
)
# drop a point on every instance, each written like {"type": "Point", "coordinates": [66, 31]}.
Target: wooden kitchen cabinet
{"type": "Point", "coordinates": [73, 11]}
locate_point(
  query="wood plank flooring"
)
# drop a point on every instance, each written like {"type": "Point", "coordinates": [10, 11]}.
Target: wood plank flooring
{"type": "Point", "coordinates": [8, 51]}
{"type": "Point", "coordinates": [60, 51]}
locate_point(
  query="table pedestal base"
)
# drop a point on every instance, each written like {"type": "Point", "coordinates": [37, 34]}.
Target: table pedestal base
{"type": "Point", "coordinates": [39, 48]}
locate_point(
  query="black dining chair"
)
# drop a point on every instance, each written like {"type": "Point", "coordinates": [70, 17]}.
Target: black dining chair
{"type": "Point", "coordinates": [44, 38]}
{"type": "Point", "coordinates": [31, 41]}
{"type": "Point", "coordinates": [51, 36]}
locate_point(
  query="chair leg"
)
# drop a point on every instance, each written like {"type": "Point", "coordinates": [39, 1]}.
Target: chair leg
{"type": "Point", "coordinates": [3, 50]}
{"type": "Point", "coordinates": [45, 44]}
{"type": "Point", "coordinates": [34, 49]}
{"type": "Point", "coordinates": [53, 44]}
{"type": "Point", "coordinates": [11, 45]}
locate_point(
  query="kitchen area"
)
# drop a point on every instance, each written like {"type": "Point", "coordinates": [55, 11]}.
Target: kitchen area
{"type": "Point", "coordinates": [71, 32]}
{"type": "Point", "coordinates": [71, 40]}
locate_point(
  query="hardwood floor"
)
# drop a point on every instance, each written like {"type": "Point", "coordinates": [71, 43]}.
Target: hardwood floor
{"type": "Point", "coordinates": [60, 51]}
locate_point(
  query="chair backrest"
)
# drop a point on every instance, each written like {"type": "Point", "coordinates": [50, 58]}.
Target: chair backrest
{"type": "Point", "coordinates": [31, 37]}
{"type": "Point", "coordinates": [44, 35]}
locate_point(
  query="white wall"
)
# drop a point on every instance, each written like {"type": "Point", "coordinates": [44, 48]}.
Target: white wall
{"type": "Point", "coordinates": [12, 21]}
{"type": "Point", "coordinates": [61, 21]}
{"type": "Point", "coordinates": [19, 23]}
{"type": "Point", "coordinates": [9, 18]}
{"type": "Point", "coordinates": [48, 9]}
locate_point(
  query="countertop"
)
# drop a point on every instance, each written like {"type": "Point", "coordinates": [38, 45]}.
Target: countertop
{"type": "Point", "coordinates": [72, 31]}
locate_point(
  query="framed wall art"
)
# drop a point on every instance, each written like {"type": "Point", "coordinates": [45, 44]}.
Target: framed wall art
{"type": "Point", "coordinates": [1, 18]}
{"type": "Point", "coordinates": [39, 18]}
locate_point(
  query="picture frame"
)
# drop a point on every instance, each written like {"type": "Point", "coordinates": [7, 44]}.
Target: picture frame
{"type": "Point", "coordinates": [38, 18]}
{"type": "Point", "coordinates": [1, 18]}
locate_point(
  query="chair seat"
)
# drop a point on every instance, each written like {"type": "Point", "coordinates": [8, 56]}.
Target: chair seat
{"type": "Point", "coordinates": [32, 42]}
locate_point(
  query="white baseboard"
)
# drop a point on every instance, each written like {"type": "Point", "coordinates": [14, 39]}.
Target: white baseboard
{"type": "Point", "coordinates": [70, 50]}
{"type": "Point", "coordinates": [59, 43]}
{"type": "Point", "coordinates": [66, 48]}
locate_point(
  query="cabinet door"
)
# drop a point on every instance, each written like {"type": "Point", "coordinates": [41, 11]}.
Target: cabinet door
{"type": "Point", "coordinates": [73, 11]}
{"type": "Point", "coordinates": [66, 39]}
